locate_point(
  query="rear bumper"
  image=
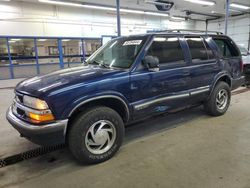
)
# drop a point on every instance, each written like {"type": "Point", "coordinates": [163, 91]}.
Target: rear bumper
{"type": "Point", "coordinates": [49, 134]}
{"type": "Point", "coordinates": [238, 82]}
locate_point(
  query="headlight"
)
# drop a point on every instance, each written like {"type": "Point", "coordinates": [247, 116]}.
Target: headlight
{"type": "Point", "coordinates": [35, 103]}
{"type": "Point", "coordinates": [41, 112]}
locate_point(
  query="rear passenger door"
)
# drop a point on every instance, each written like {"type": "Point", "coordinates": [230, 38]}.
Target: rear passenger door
{"type": "Point", "coordinates": [159, 91]}
{"type": "Point", "coordinates": [204, 64]}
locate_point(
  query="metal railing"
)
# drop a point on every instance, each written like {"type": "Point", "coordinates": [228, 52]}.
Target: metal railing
{"type": "Point", "coordinates": [187, 31]}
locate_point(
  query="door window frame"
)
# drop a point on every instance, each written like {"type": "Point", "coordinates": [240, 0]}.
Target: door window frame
{"type": "Point", "coordinates": [201, 62]}
{"type": "Point", "coordinates": [180, 39]}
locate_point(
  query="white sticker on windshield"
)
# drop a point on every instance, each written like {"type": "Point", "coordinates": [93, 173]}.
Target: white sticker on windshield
{"type": "Point", "coordinates": [132, 42]}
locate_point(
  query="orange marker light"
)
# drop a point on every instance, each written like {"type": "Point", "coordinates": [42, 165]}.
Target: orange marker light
{"type": "Point", "coordinates": [41, 117]}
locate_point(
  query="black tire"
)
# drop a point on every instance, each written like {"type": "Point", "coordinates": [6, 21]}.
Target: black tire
{"type": "Point", "coordinates": [80, 131]}
{"type": "Point", "coordinates": [211, 106]}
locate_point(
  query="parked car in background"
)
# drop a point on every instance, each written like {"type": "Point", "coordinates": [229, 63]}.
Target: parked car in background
{"type": "Point", "coordinates": [246, 62]}
{"type": "Point", "coordinates": [128, 79]}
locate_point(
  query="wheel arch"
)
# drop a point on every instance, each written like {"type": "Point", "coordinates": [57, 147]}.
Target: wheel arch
{"type": "Point", "coordinates": [112, 101]}
{"type": "Point", "coordinates": [225, 78]}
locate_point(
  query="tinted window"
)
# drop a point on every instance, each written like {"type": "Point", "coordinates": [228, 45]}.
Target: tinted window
{"type": "Point", "coordinates": [209, 51]}
{"type": "Point", "coordinates": [167, 50]}
{"type": "Point", "coordinates": [197, 49]}
{"type": "Point", "coordinates": [227, 48]}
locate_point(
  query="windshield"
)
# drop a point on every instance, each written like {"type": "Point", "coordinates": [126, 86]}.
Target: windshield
{"type": "Point", "coordinates": [243, 50]}
{"type": "Point", "coordinates": [119, 53]}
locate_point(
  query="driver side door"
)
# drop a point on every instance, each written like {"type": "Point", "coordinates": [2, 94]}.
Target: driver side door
{"type": "Point", "coordinates": [157, 91]}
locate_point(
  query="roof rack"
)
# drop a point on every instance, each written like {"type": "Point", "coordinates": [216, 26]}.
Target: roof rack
{"type": "Point", "coordinates": [190, 31]}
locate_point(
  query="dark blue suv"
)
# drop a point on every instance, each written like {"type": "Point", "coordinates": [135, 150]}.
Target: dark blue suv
{"type": "Point", "coordinates": [128, 79]}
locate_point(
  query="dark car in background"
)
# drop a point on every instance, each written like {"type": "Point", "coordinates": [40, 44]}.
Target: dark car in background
{"type": "Point", "coordinates": [127, 80]}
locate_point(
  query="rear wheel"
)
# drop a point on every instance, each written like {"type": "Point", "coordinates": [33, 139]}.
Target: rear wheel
{"type": "Point", "coordinates": [219, 100]}
{"type": "Point", "coordinates": [96, 135]}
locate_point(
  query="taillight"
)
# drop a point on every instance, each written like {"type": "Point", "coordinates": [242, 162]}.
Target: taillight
{"type": "Point", "coordinates": [241, 66]}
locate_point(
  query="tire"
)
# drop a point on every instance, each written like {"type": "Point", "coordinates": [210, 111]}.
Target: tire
{"type": "Point", "coordinates": [96, 135]}
{"type": "Point", "coordinates": [214, 105]}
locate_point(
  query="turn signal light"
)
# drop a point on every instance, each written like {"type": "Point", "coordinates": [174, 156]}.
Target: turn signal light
{"type": "Point", "coordinates": [41, 117]}
{"type": "Point", "coordinates": [241, 66]}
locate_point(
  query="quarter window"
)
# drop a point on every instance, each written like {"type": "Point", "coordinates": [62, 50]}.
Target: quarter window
{"type": "Point", "coordinates": [227, 49]}
{"type": "Point", "coordinates": [167, 50]}
{"type": "Point", "coordinates": [197, 49]}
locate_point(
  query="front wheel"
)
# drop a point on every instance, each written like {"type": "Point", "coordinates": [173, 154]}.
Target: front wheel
{"type": "Point", "coordinates": [219, 100]}
{"type": "Point", "coordinates": [96, 135]}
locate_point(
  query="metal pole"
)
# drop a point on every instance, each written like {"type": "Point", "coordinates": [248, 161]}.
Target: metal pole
{"type": "Point", "coordinates": [226, 16]}
{"type": "Point", "coordinates": [36, 53]}
{"type": "Point", "coordinates": [118, 18]}
{"type": "Point", "coordinates": [12, 76]}
{"type": "Point", "coordinates": [206, 25]}
{"type": "Point", "coordinates": [60, 53]}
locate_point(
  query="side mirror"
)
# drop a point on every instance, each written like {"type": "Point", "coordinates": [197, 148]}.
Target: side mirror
{"type": "Point", "coordinates": [151, 62]}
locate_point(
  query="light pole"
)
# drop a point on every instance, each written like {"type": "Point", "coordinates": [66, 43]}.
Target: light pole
{"type": "Point", "coordinates": [118, 18]}
{"type": "Point", "coordinates": [227, 15]}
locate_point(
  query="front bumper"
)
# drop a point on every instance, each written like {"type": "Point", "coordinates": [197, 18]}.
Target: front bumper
{"type": "Point", "coordinates": [48, 134]}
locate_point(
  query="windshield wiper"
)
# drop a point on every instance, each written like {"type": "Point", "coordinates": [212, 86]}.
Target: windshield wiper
{"type": "Point", "coordinates": [104, 65]}
{"type": "Point", "coordinates": [100, 64]}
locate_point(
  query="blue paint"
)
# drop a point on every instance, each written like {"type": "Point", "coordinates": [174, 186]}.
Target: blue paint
{"type": "Point", "coordinates": [65, 89]}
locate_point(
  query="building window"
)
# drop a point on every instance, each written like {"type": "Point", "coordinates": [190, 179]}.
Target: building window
{"type": "Point", "coordinates": [22, 51]}
{"type": "Point", "coordinates": [91, 46]}
{"type": "Point", "coordinates": [72, 52]}
{"type": "Point", "coordinates": [4, 60]}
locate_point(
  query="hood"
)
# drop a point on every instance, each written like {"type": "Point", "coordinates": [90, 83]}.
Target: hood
{"type": "Point", "coordinates": [40, 85]}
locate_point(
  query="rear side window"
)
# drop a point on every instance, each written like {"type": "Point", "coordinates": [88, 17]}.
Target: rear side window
{"type": "Point", "coordinates": [197, 49]}
{"type": "Point", "coordinates": [168, 50]}
{"type": "Point", "coordinates": [226, 48]}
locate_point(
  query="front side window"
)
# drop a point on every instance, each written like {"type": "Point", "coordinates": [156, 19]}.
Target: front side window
{"type": "Point", "coordinates": [197, 49]}
{"type": "Point", "coordinates": [168, 50]}
{"type": "Point", "coordinates": [119, 53]}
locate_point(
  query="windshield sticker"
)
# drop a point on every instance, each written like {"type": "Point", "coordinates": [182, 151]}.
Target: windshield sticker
{"type": "Point", "coordinates": [132, 42]}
